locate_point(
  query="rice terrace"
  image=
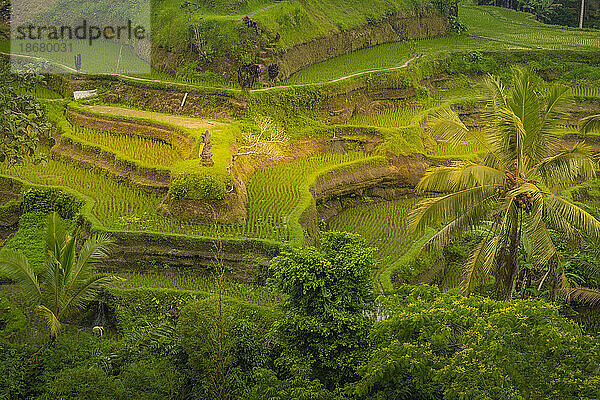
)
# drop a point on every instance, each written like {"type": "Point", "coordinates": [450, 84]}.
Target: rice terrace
{"type": "Point", "coordinates": [300, 199]}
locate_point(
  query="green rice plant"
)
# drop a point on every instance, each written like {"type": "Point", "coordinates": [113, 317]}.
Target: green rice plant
{"type": "Point", "coordinates": [248, 293]}
{"type": "Point", "coordinates": [388, 56]}
{"type": "Point", "coordinates": [146, 150]}
{"type": "Point", "coordinates": [488, 28]}
{"type": "Point", "coordinates": [393, 118]}
{"type": "Point", "coordinates": [114, 201]}
{"type": "Point", "coordinates": [275, 201]}
{"type": "Point", "coordinates": [522, 30]}
{"type": "Point", "coordinates": [275, 194]}
{"type": "Point", "coordinates": [42, 92]}
{"type": "Point", "coordinates": [103, 56]}
{"type": "Point", "coordinates": [383, 225]}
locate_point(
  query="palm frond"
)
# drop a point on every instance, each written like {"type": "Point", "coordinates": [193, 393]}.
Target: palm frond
{"type": "Point", "coordinates": [536, 232]}
{"type": "Point", "coordinates": [438, 179]}
{"type": "Point", "coordinates": [471, 175]}
{"type": "Point", "coordinates": [459, 176]}
{"type": "Point", "coordinates": [559, 97]}
{"type": "Point", "coordinates": [94, 250]}
{"type": "Point", "coordinates": [574, 215]}
{"type": "Point", "coordinates": [86, 291]}
{"type": "Point", "coordinates": [67, 259]}
{"type": "Point", "coordinates": [469, 221]}
{"type": "Point", "coordinates": [15, 266]}
{"type": "Point", "coordinates": [590, 124]}
{"type": "Point", "coordinates": [586, 296]}
{"type": "Point", "coordinates": [510, 136]}
{"type": "Point", "coordinates": [524, 103]}
{"type": "Point", "coordinates": [431, 211]}
{"type": "Point", "coordinates": [446, 124]}
{"type": "Point", "coordinates": [495, 92]}
{"type": "Point", "coordinates": [542, 142]}
{"type": "Point", "coordinates": [478, 265]}
{"type": "Point", "coordinates": [52, 283]}
{"type": "Point", "coordinates": [555, 221]}
{"type": "Point", "coordinates": [567, 166]}
{"type": "Point", "coordinates": [51, 320]}
{"type": "Point", "coordinates": [55, 235]}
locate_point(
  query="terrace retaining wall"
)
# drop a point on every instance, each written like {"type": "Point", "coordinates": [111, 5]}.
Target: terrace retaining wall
{"type": "Point", "coordinates": [392, 29]}
{"type": "Point", "coordinates": [342, 189]}
{"type": "Point", "coordinates": [146, 178]}
{"type": "Point", "coordinates": [243, 259]}
{"type": "Point", "coordinates": [155, 96]}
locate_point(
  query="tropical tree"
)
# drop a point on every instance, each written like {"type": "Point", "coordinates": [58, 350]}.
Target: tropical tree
{"type": "Point", "coordinates": [588, 295]}
{"type": "Point", "coordinates": [68, 282]}
{"type": "Point", "coordinates": [22, 117]}
{"type": "Point", "coordinates": [511, 196]}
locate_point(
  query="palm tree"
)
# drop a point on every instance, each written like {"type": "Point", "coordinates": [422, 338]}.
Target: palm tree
{"type": "Point", "coordinates": [511, 195]}
{"type": "Point", "coordinates": [68, 282]}
{"type": "Point", "coordinates": [590, 296]}
{"type": "Point", "coordinates": [590, 124]}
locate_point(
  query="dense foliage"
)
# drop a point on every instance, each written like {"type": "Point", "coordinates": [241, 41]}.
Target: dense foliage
{"type": "Point", "coordinates": [22, 122]}
{"type": "Point", "coordinates": [436, 345]}
{"type": "Point", "coordinates": [323, 331]}
{"type": "Point", "coordinates": [510, 196]}
{"type": "Point", "coordinates": [69, 281]}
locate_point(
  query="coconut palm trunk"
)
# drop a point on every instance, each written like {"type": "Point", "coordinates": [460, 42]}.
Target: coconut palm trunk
{"type": "Point", "coordinates": [507, 267]}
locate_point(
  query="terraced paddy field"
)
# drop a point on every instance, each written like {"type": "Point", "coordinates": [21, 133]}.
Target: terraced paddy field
{"type": "Point", "coordinates": [521, 29]}
{"type": "Point", "coordinates": [383, 225]}
{"type": "Point", "coordinates": [145, 150]}
{"type": "Point", "coordinates": [488, 28]}
{"type": "Point", "coordinates": [388, 56]}
{"type": "Point", "coordinates": [277, 197]}
{"type": "Point", "coordinates": [247, 293]}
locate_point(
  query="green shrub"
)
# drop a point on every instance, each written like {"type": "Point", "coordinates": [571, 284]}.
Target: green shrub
{"type": "Point", "coordinates": [20, 372]}
{"type": "Point", "coordinates": [85, 383]}
{"type": "Point", "coordinates": [223, 342]}
{"type": "Point", "coordinates": [10, 212]}
{"type": "Point", "coordinates": [444, 345]}
{"type": "Point", "coordinates": [31, 239]}
{"type": "Point", "coordinates": [200, 187]}
{"type": "Point", "coordinates": [47, 200]}
{"type": "Point", "coordinates": [324, 328]}
{"type": "Point", "coordinates": [12, 320]}
{"type": "Point", "coordinates": [148, 304]}
{"type": "Point", "coordinates": [151, 379]}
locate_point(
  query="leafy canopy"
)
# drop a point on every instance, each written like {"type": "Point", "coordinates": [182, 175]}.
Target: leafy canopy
{"type": "Point", "coordinates": [324, 328]}
{"type": "Point", "coordinates": [22, 121]}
